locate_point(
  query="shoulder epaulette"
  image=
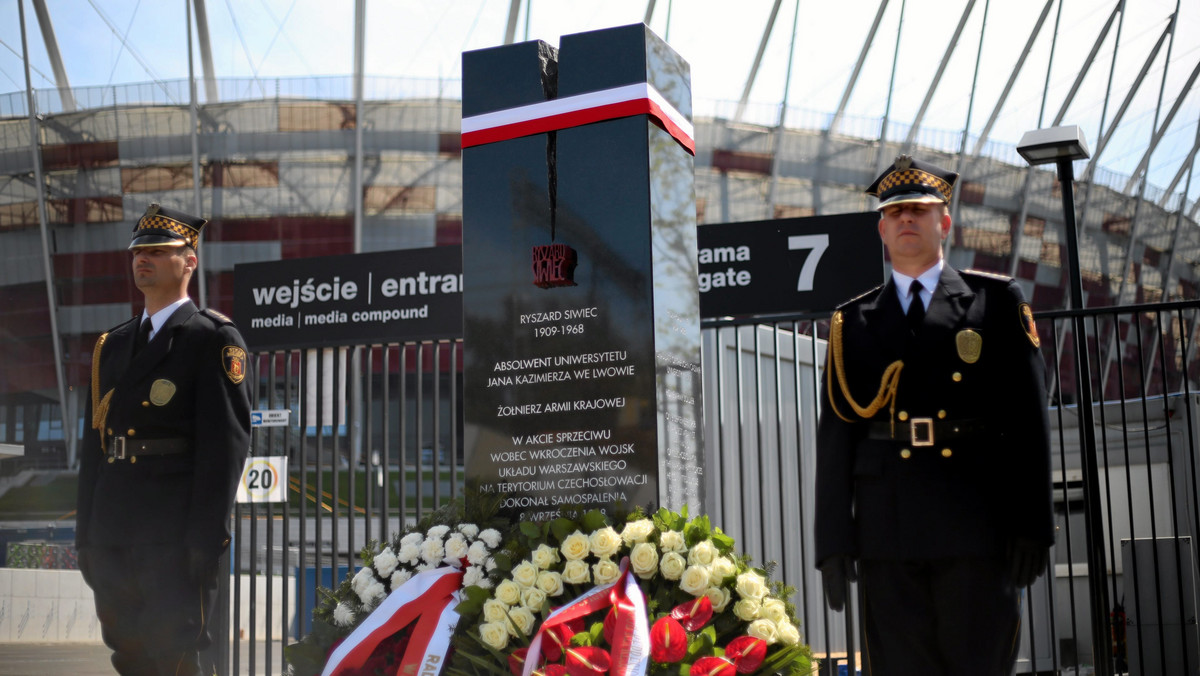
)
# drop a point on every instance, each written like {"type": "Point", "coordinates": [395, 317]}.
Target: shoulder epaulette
{"type": "Point", "coordinates": [987, 275]}
{"type": "Point", "coordinates": [132, 320]}
{"type": "Point", "coordinates": [861, 297]}
{"type": "Point", "coordinates": [217, 315]}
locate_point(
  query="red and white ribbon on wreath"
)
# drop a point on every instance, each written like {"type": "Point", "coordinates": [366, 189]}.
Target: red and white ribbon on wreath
{"type": "Point", "coordinates": [630, 647]}
{"type": "Point", "coordinates": [572, 111]}
{"type": "Point", "coordinates": [429, 598]}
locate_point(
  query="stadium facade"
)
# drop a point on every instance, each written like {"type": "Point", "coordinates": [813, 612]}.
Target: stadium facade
{"type": "Point", "coordinates": [273, 166]}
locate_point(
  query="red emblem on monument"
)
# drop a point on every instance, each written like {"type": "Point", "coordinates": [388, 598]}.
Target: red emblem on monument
{"type": "Point", "coordinates": [554, 265]}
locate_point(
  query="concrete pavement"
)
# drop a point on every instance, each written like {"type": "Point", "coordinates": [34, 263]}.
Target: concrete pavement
{"type": "Point", "coordinates": [91, 659]}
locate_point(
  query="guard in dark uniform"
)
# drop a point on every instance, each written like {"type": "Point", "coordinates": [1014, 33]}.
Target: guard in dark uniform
{"type": "Point", "coordinates": [169, 409]}
{"type": "Point", "coordinates": [933, 460]}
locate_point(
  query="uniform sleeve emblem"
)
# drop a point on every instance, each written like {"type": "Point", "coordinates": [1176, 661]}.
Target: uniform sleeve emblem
{"type": "Point", "coordinates": [1028, 324]}
{"type": "Point", "coordinates": [233, 359]}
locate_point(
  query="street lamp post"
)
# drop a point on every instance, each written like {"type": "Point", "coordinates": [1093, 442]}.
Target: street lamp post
{"type": "Point", "coordinates": [1062, 146]}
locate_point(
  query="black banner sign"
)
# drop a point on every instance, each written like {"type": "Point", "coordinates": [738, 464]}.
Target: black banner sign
{"type": "Point", "coordinates": [390, 296]}
{"type": "Point", "coordinates": [788, 265]}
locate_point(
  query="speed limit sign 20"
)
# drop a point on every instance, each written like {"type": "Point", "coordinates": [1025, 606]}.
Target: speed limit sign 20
{"type": "Point", "coordinates": [263, 479]}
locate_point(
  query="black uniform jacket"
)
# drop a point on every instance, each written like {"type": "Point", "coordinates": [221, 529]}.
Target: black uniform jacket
{"type": "Point", "coordinates": [180, 386]}
{"type": "Point", "coordinates": [968, 492]}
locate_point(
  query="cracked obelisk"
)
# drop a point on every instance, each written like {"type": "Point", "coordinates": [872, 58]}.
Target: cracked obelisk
{"type": "Point", "coordinates": [581, 381]}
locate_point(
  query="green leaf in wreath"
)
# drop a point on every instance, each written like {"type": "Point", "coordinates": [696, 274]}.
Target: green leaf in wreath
{"type": "Point", "coordinates": [595, 633]}
{"type": "Point", "coordinates": [593, 521]}
{"type": "Point", "coordinates": [503, 561]}
{"type": "Point", "coordinates": [723, 542]}
{"type": "Point", "coordinates": [530, 530]}
{"type": "Point", "coordinates": [560, 528]}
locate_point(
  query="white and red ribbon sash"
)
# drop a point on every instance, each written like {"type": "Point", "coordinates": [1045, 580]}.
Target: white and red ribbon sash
{"type": "Point", "coordinates": [630, 647]}
{"type": "Point", "coordinates": [429, 597]}
{"type": "Point", "coordinates": [572, 111]}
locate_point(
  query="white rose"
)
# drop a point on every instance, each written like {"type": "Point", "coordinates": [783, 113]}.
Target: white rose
{"type": "Point", "coordinates": [413, 539]}
{"type": "Point", "coordinates": [456, 548]}
{"type": "Point", "coordinates": [432, 550]}
{"type": "Point", "coordinates": [533, 598]}
{"type": "Point", "coordinates": [694, 580]}
{"type": "Point", "coordinates": [702, 554]}
{"type": "Point", "coordinates": [719, 596]}
{"type": "Point", "coordinates": [636, 532]}
{"type": "Point", "coordinates": [774, 610]}
{"type": "Point", "coordinates": [400, 577]}
{"type": "Point", "coordinates": [721, 569]}
{"type": "Point", "coordinates": [494, 634]}
{"type": "Point", "coordinates": [672, 541]}
{"type": "Point", "coordinates": [576, 572]}
{"type": "Point", "coordinates": [789, 634]}
{"type": "Point", "coordinates": [605, 571]}
{"type": "Point", "coordinates": [523, 621]}
{"type": "Point", "coordinates": [490, 537]}
{"type": "Point", "coordinates": [472, 575]}
{"type": "Point", "coordinates": [343, 615]}
{"type": "Point", "coordinates": [644, 560]}
{"type": "Point", "coordinates": [575, 547]}
{"type": "Point", "coordinates": [495, 610]}
{"type": "Point", "coordinates": [468, 529]}
{"type": "Point", "coordinates": [385, 562]}
{"type": "Point", "coordinates": [361, 580]}
{"type": "Point", "coordinates": [672, 565]}
{"type": "Point", "coordinates": [477, 553]}
{"type": "Point", "coordinates": [544, 557]}
{"type": "Point", "coordinates": [509, 592]}
{"type": "Point", "coordinates": [525, 574]}
{"type": "Point", "coordinates": [747, 610]}
{"type": "Point", "coordinates": [437, 532]}
{"type": "Point", "coordinates": [605, 542]}
{"type": "Point", "coordinates": [550, 583]}
{"type": "Point", "coordinates": [751, 585]}
{"type": "Point", "coordinates": [409, 553]}
{"type": "Point", "coordinates": [764, 629]}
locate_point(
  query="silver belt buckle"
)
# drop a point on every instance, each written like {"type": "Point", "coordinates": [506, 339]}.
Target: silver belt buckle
{"type": "Point", "coordinates": [921, 432]}
{"type": "Point", "coordinates": [118, 448]}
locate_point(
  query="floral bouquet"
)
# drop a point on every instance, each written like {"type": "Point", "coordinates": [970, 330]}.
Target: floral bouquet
{"type": "Point", "coordinates": [588, 597]}
{"type": "Point", "coordinates": [443, 540]}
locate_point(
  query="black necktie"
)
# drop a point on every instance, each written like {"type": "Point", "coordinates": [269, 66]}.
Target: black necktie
{"type": "Point", "coordinates": [916, 307]}
{"type": "Point", "coordinates": [143, 336]}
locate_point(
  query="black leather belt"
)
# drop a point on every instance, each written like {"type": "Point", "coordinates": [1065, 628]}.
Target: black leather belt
{"type": "Point", "coordinates": [926, 431]}
{"type": "Point", "coordinates": [120, 448]}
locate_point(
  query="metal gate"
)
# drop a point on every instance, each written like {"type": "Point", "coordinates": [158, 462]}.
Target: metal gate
{"type": "Point", "coordinates": [383, 443]}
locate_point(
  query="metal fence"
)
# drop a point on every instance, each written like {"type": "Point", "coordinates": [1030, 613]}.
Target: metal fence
{"type": "Point", "coordinates": [375, 440]}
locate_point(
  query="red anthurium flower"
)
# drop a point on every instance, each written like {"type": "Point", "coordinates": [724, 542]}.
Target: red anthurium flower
{"type": "Point", "coordinates": [693, 615]}
{"type": "Point", "coordinates": [516, 661]}
{"type": "Point", "coordinates": [713, 666]}
{"type": "Point", "coordinates": [610, 626]}
{"type": "Point", "coordinates": [551, 670]}
{"type": "Point", "coordinates": [668, 641]}
{"type": "Point", "coordinates": [747, 653]}
{"type": "Point", "coordinates": [557, 638]}
{"type": "Point", "coordinates": [588, 661]}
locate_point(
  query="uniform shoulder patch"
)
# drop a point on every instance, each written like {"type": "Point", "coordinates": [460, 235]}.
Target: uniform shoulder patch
{"type": "Point", "coordinates": [233, 360]}
{"type": "Point", "coordinates": [223, 319]}
{"type": "Point", "coordinates": [1028, 324]}
{"type": "Point", "coordinates": [869, 295]}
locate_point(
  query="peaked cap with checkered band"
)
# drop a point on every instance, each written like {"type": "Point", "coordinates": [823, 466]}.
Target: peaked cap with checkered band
{"type": "Point", "coordinates": [908, 180]}
{"type": "Point", "coordinates": [160, 226]}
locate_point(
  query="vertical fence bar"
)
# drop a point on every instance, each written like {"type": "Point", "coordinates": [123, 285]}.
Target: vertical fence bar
{"type": "Point", "coordinates": [420, 419]}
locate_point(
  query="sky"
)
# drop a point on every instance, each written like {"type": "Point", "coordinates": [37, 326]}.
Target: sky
{"type": "Point", "coordinates": [114, 42]}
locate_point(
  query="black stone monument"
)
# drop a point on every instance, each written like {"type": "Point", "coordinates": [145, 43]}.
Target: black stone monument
{"type": "Point", "coordinates": [581, 309]}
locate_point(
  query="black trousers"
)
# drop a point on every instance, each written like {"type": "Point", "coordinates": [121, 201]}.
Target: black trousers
{"type": "Point", "coordinates": [946, 617]}
{"type": "Point", "coordinates": [153, 617]}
